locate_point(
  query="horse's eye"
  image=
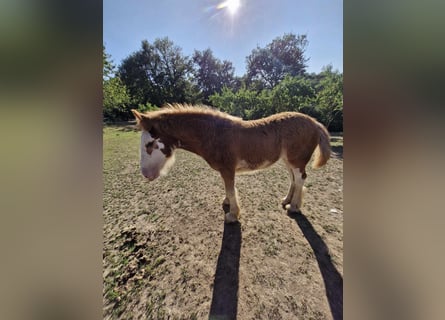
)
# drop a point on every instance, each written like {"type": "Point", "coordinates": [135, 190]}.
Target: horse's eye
{"type": "Point", "coordinates": [153, 132]}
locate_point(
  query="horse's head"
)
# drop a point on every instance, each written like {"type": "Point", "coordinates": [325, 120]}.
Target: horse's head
{"type": "Point", "coordinates": [156, 157]}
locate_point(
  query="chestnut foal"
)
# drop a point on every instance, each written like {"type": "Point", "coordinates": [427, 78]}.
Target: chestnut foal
{"type": "Point", "coordinates": [231, 145]}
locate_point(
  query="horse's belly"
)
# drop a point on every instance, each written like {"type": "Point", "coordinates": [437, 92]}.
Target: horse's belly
{"type": "Point", "coordinates": [244, 165]}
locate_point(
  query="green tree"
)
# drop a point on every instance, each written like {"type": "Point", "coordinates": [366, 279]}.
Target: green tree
{"type": "Point", "coordinates": [263, 106]}
{"type": "Point", "coordinates": [239, 103]}
{"type": "Point", "coordinates": [330, 96]}
{"type": "Point", "coordinates": [116, 99]}
{"type": "Point", "coordinates": [108, 66]}
{"type": "Point", "coordinates": [158, 73]}
{"type": "Point", "coordinates": [224, 101]}
{"type": "Point", "coordinates": [212, 74]}
{"type": "Point", "coordinates": [292, 94]}
{"type": "Point", "coordinates": [267, 66]}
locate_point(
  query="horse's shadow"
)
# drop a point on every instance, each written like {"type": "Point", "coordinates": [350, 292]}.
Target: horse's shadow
{"type": "Point", "coordinates": [333, 280]}
{"type": "Point", "coordinates": [338, 151]}
{"type": "Point", "coordinates": [225, 286]}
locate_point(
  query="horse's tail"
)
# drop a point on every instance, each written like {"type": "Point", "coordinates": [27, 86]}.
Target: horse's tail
{"type": "Point", "coordinates": [323, 150]}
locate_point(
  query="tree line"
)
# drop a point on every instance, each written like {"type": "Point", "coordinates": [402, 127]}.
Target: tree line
{"type": "Point", "coordinates": [276, 80]}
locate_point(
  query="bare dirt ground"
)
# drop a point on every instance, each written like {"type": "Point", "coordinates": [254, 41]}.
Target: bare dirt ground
{"type": "Point", "coordinates": [168, 255]}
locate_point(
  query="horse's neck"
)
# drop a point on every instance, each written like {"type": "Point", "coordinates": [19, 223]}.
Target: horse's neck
{"type": "Point", "coordinates": [187, 138]}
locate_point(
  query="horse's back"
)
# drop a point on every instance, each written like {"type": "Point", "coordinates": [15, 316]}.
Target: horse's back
{"type": "Point", "coordinates": [252, 145]}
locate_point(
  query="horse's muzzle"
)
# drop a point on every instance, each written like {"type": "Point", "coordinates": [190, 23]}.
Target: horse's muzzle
{"type": "Point", "coordinates": [150, 175]}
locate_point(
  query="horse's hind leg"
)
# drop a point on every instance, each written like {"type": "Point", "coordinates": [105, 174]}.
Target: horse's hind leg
{"type": "Point", "coordinates": [229, 184]}
{"type": "Point", "coordinates": [290, 193]}
{"type": "Point", "coordinates": [297, 197]}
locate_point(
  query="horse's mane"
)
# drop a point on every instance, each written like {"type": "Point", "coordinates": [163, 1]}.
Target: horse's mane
{"type": "Point", "coordinates": [179, 108]}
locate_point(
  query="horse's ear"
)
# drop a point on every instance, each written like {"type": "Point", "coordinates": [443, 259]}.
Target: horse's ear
{"type": "Point", "coordinates": [143, 120]}
{"type": "Point", "coordinates": [137, 115]}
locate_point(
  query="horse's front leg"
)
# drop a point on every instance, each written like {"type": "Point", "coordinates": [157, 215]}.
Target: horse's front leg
{"type": "Point", "coordinates": [231, 197]}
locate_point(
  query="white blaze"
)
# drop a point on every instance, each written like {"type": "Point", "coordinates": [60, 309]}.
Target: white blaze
{"type": "Point", "coordinates": [151, 164]}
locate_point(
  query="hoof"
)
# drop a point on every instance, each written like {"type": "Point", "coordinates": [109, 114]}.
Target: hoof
{"type": "Point", "coordinates": [230, 218]}
{"type": "Point", "coordinates": [285, 202]}
{"type": "Point", "coordinates": [293, 210]}
{"type": "Point", "coordinates": [293, 207]}
{"type": "Point", "coordinates": [286, 205]}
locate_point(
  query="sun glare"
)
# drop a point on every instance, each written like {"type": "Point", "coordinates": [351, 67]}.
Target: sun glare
{"type": "Point", "coordinates": [231, 5]}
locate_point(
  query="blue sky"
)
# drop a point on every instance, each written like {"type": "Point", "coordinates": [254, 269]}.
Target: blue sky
{"type": "Point", "coordinates": [199, 24]}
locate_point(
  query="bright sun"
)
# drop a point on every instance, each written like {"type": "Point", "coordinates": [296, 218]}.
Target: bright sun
{"type": "Point", "coordinates": [231, 5]}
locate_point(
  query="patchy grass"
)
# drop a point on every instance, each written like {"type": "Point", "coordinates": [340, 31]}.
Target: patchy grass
{"type": "Point", "coordinates": [166, 246]}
